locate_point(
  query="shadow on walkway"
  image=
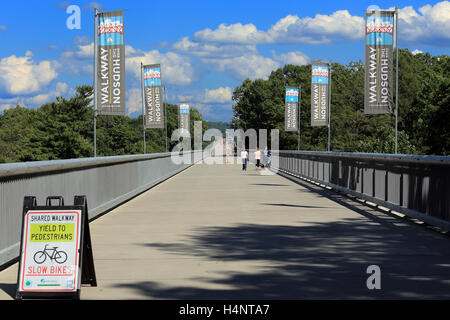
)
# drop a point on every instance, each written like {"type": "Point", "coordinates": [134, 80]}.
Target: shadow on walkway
{"type": "Point", "coordinates": [270, 184]}
{"type": "Point", "coordinates": [321, 260]}
{"type": "Point", "coordinates": [317, 261]}
{"type": "Point", "coordinates": [292, 205]}
{"type": "Point", "coordinates": [9, 288]}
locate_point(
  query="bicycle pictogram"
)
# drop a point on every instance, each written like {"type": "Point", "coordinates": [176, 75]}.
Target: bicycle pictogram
{"type": "Point", "coordinates": [59, 256]}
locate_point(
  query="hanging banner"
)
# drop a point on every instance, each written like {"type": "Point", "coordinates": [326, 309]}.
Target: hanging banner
{"type": "Point", "coordinates": [154, 112]}
{"type": "Point", "coordinates": [378, 94]}
{"type": "Point", "coordinates": [319, 94]}
{"type": "Point", "coordinates": [184, 117]}
{"type": "Point", "coordinates": [110, 63]}
{"type": "Point", "coordinates": [291, 109]}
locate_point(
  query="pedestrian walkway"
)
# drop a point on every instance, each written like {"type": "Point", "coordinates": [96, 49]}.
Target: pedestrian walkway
{"type": "Point", "coordinates": [217, 232]}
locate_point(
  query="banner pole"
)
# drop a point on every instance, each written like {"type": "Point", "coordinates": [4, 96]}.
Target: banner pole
{"type": "Point", "coordinates": [165, 115]}
{"type": "Point", "coordinates": [396, 77]}
{"type": "Point", "coordinates": [299, 106]}
{"type": "Point", "coordinates": [143, 107]}
{"type": "Point", "coordinates": [95, 82]}
{"type": "Point", "coordinates": [329, 105]}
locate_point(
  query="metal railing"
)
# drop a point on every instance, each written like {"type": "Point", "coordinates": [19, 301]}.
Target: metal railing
{"type": "Point", "coordinates": [106, 182]}
{"type": "Point", "coordinates": [417, 186]}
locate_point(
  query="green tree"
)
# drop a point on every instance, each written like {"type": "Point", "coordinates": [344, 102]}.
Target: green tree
{"type": "Point", "coordinates": [18, 135]}
{"type": "Point", "coordinates": [63, 129]}
{"type": "Point", "coordinates": [423, 108]}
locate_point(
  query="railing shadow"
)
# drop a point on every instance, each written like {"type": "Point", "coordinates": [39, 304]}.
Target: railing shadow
{"type": "Point", "coordinates": [269, 184]}
{"type": "Point", "coordinates": [9, 289]}
{"type": "Point", "coordinates": [418, 186]}
{"type": "Point", "coordinates": [314, 261]}
{"type": "Point", "coordinates": [292, 205]}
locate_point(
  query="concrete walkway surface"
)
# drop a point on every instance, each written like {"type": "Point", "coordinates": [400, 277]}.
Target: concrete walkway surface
{"type": "Point", "coordinates": [217, 232]}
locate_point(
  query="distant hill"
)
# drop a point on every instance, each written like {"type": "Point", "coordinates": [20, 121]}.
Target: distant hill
{"type": "Point", "coordinates": [222, 126]}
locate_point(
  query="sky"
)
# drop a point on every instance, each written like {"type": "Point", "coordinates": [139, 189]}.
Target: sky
{"type": "Point", "coordinates": [206, 48]}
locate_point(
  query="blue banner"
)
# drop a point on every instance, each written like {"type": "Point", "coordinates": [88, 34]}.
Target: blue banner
{"type": "Point", "coordinates": [320, 74]}
{"type": "Point", "coordinates": [319, 93]}
{"type": "Point", "coordinates": [291, 109]}
{"type": "Point", "coordinates": [152, 76]}
{"type": "Point", "coordinates": [379, 30]}
{"type": "Point", "coordinates": [379, 34]}
{"type": "Point", "coordinates": [110, 31]}
{"type": "Point", "coordinates": [110, 56]}
{"type": "Point", "coordinates": [184, 117]}
{"type": "Point", "coordinates": [291, 94]}
{"type": "Point", "coordinates": [184, 108]}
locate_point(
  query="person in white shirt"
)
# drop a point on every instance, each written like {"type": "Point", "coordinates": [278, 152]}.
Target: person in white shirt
{"type": "Point", "coordinates": [257, 158]}
{"type": "Point", "coordinates": [244, 157]}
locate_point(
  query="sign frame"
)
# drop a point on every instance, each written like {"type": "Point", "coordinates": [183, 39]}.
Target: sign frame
{"type": "Point", "coordinates": [84, 272]}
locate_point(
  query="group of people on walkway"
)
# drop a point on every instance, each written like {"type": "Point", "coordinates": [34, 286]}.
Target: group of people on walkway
{"type": "Point", "coordinates": [257, 155]}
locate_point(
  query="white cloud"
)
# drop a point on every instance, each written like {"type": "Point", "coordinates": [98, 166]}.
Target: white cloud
{"type": "Point", "coordinates": [61, 89]}
{"type": "Point", "coordinates": [82, 39]}
{"type": "Point", "coordinates": [80, 51]}
{"type": "Point", "coordinates": [80, 59]}
{"type": "Point", "coordinates": [85, 51]}
{"type": "Point", "coordinates": [134, 100]}
{"type": "Point", "coordinates": [61, 4]}
{"type": "Point", "coordinates": [236, 33]}
{"type": "Point", "coordinates": [294, 57]}
{"type": "Point", "coordinates": [4, 107]}
{"type": "Point", "coordinates": [93, 5]}
{"type": "Point", "coordinates": [22, 75]}
{"type": "Point", "coordinates": [9, 103]}
{"type": "Point", "coordinates": [416, 51]}
{"type": "Point", "coordinates": [185, 45]}
{"type": "Point", "coordinates": [290, 29]}
{"type": "Point", "coordinates": [431, 26]}
{"type": "Point", "coordinates": [175, 68]}
{"type": "Point", "coordinates": [219, 95]}
{"type": "Point", "coordinates": [251, 66]}
{"type": "Point", "coordinates": [182, 97]}
{"type": "Point", "coordinates": [205, 110]}
{"type": "Point", "coordinates": [2, 27]}
{"type": "Point", "coordinates": [322, 28]}
{"type": "Point", "coordinates": [202, 49]}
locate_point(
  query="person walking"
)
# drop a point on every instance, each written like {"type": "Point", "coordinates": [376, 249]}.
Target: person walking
{"type": "Point", "coordinates": [244, 157]}
{"type": "Point", "coordinates": [257, 158]}
{"type": "Point", "coordinates": [268, 158]}
{"type": "Point", "coordinates": [265, 158]}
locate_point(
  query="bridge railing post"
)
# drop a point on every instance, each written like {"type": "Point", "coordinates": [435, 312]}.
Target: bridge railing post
{"type": "Point", "coordinates": [417, 186]}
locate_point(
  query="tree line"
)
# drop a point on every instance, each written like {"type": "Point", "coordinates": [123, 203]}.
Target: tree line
{"type": "Point", "coordinates": [423, 114]}
{"type": "Point", "coordinates": [64, 130]}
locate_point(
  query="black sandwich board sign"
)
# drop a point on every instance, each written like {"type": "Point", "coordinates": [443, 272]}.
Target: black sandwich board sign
{"type": "Point", "coordinates": [55, 251]}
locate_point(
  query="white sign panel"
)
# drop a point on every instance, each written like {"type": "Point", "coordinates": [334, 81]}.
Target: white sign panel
{"type": "Point", "coordinates": [50, 259]}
